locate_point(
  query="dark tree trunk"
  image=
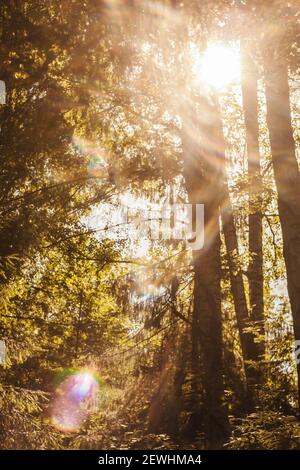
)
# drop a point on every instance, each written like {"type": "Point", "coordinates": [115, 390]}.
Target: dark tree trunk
{"type": "Point", "coordinates": [255, 269]}
{"type": "Point", "coordinates": [287, 175]}
{"type": "Point", "coordinates": [201, 178]}
{"type": "Point", "coordinates": [249, 347]}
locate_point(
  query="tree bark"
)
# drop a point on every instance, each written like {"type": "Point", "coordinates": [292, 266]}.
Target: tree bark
{"type": "Point", "coordinates": [287, 175]}
{"type": "Point", "coordinates": [248, 346]}
{"type": "Point", "coordinates": [201, 177]}
{"type": "Point", "coordinates": [255, 269]}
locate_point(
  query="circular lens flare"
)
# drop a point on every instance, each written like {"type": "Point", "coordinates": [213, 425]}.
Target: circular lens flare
{"type": "Point", "coordinates": [75, 398]}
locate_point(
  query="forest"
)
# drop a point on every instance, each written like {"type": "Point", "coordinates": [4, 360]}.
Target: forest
{"type": "Point", "coordinates": [150, 224]}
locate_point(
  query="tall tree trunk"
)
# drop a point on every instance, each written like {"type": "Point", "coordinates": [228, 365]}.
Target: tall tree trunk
{"type": "Point", "coordinates": [201, 178]}
{"type": "Point", "coordinates": [255, 269]}
{"type": "Point", "coordinates": [207, 308]}
{"type": "Point", "coordinates": [248, 346]}
{"type": "Point", "coordinates": [287, 175]}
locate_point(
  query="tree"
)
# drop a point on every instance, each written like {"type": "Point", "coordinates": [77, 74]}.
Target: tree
{"type": "Point", "coordinates": [255, 269]}
{"type": "Point", "coordinates": [202, 176]}
{"type": "Point", "coordinates": [286, 171]}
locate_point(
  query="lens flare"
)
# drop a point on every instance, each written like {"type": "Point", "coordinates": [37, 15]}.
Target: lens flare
{"type": "Point", "coordinates": [75, 397]}
{"type": "Point", "coordinates": [95, 154]}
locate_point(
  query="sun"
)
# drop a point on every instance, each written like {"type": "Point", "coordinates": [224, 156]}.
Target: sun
{"type": "Point", "coordinates": [218, 66]}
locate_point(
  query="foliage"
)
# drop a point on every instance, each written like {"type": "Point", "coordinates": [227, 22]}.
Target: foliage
{"type": "Point", "coordinates": [99, 96]}
{"type": "Point", "coordinates": [266, 430]}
